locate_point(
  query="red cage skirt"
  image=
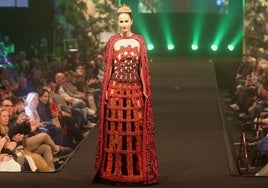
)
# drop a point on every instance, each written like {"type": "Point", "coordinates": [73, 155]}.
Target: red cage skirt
{"type": "Point", "coordinates": [122, 152]}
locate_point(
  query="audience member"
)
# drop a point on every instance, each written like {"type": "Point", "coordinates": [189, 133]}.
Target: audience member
{"type": "Point", "coordinates": [11, 144]}
{"type": "Point", "coordinates": [7, 88]}
{"type": "Point", "coordinates": [22, 64]}
{"type": "Point", "coordinates": [7, 162]}
{"type": "Point", "coordinates": [49, 112]}
{"type": "Point", "coordinates": [62, 112]}
{"type": "Point", "coordinates": [20, 129]}
{"type": "Point", "coordinates": [23, 87]}
{"type": "Point", "coordinates": [37, 80]}
{"type": "Point", "coordinates": [244, 69]}
{"type": "Point", "coordinates": [31, 109]}
{"type": "Point", "coordinates": [73, 115]}
{"type": "Point", "coordinates": [78, 105]}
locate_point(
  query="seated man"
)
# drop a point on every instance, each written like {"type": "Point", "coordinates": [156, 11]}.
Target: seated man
{"type": "Point", "coordinates": [79, 108]}
{"type": "Point", "coordinates": [70, 88]}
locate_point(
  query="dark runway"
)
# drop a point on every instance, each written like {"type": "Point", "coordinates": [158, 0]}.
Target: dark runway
{"type": "Point", "coordinates": [192, 143]}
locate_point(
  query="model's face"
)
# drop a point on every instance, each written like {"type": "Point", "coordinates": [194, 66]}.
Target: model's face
{"type": "Point", "coordinates": [124, 22]}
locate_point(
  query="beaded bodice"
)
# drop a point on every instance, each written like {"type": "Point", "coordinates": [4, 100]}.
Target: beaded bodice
{"type": "Point", "coordinates": [126, 64]}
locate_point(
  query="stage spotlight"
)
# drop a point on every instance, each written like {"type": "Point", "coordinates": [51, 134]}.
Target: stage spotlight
{"type": "Point", "coordinates": [214, 47]}
{"type": "Point", "coordinates": [150, 47]}
{"type": "Point", "coordinates": [194, 47]}
{"type": "Point", "coordinates": [230, 47]}
{"type": "Point", "coordinates": [170, 47]}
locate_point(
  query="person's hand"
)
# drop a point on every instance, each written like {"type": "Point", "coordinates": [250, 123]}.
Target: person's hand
{"type": "Point", "coordinates": [66, 114]}
{"type": "Point", "coordinates": [10, 145]}
{"type": "Point", "coordinates": [5, 157]}
{"type": "Point", "coordinates": [21, 118]}
{"type": "Point", "coordinates": [145, 94]}
{"type": "Point", "coordinates": [83, 96]}
{"type": "Point", "coordinates": [55, 114]}
{"type": "Point", "coordinates": [3, 140]}
{"type": "Point", "coordinates": [72, 100]}
{"type": "Point", "coordinates": [34, 125]}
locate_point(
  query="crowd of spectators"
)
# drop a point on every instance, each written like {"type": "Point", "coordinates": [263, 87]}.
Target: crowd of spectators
{"type": "Point", "coordinates": [251, 87]}
{"type": "Point", "coordinates": [48, 105]}
{"type": "Point", "coordinates": [250, 100]}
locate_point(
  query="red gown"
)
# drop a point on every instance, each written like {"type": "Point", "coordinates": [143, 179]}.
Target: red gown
{"type": "Point", "coordinates": [126, 150]}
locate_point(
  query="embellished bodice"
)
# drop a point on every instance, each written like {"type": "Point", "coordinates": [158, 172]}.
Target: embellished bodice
{"type": "Point", "coordinates": [126, 64]}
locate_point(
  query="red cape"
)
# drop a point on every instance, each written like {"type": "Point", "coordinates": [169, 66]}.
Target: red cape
{"type": "Point", "coordinates": [150, 162]}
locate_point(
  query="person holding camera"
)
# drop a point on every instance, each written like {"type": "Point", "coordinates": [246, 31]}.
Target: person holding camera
{"type": "Point", "coordinates": [20, 129]}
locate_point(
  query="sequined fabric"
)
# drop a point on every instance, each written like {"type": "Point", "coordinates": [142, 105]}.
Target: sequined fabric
{"type": "Point", "coordinates": [126, 65]}
{"type": "Point", "coordinates": [126, 143]}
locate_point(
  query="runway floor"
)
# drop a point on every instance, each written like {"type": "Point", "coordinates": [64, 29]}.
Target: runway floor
{"type": "Point", "coordinates": [192, 141]}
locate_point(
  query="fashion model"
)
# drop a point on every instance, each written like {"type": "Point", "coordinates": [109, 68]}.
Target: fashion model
{"type": "Point", "coordinates": [126, 150]}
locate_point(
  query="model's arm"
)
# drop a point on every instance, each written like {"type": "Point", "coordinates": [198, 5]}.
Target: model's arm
{"type": "Point", "coordinates": [108, 69]}
{"type": "Point", "coordinates": [108, 77]}
{"type": "Point", "coordinates": [143, 83]}
{"type": "Point", "coordinates": [143, 64]}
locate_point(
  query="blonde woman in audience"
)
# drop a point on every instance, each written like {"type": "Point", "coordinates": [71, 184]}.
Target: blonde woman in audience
{"type": "Point", "coordinates": [20, 130]}
{"type": "Point", "coordinates": [15, 148]}
{"type": "Point", "coordinates": [7, 162]}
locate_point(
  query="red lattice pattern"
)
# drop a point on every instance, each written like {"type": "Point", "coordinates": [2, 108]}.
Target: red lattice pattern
{"type": "Point", "coordinates": [123, 133]}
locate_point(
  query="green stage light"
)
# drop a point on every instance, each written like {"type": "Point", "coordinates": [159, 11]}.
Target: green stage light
{"type": "Point", "coordinates": [170, 47]}
{"type": "Point", "coordinates": [167, 31]}
{"type": "Point", "coordinates": [224, 25]}
{"type": "Point", "coordinates": [198, 24]}
{"type": "Point", "coordinates": [142, 26]}
{"type": "Point", "coordinates": [237, 38]}
{"type": "Point", "coordinates": [230, 47]}
{"type": "Point", "coordinates": [150, 47]}
{"type": "Point", "coordinates": [194, 47]}
{"type": "Point", "coordinates": [214, 47]}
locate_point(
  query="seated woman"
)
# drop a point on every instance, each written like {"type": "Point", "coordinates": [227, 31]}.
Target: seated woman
{"type": "Point", "coordinates": [56, 133]}
{"type": "Point", "coordinates": [13, 147]}
{"type": "Point", "coordinates": [49, 111]}
{"type": "Point", "coordinates": [40, 146]}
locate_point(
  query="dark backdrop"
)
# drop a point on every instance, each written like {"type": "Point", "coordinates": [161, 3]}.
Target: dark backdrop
{"type": "Point", "coordinates": [26, 25]}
